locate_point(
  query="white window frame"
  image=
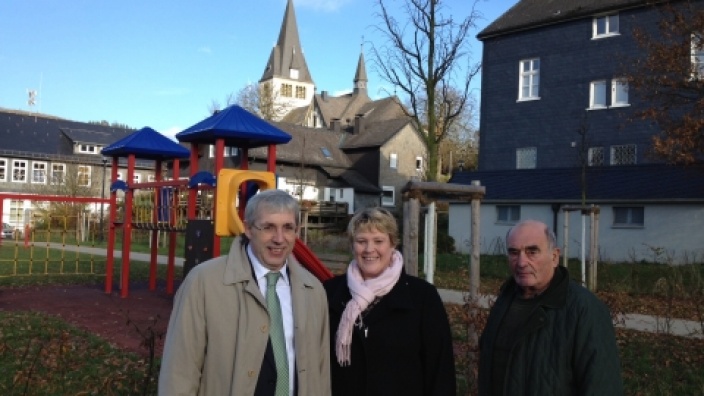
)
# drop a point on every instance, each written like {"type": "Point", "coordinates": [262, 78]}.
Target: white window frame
{"type": "Point", "coordinates": [697, 56]}
{"type": "Point", "coordinates": [385, 200]}
{"type": "Point", "coordinates": [136, 178]}
{"type": "Point", "coordinates": [526, 158]}
{"type": "Point", "coordinates": [87, 148]}
{"type": "Point", "coordinates": [58, 169]}
{"type": "Point", "coordinates": [634, 217]}
{"type": "Point", "coordinates": [119, 175]}
{"type": "Point", "coordinates": [610, 25]}
{"type": "Point", "coordinates": [393, 161]}
{"type": "Point", "coordinates": [597, 95]}
{"type": "Point", "coordinates": [595, 156]}
{"type": "Point", "coordinates": [21, 166]}
{"type": "Point", "coordinates": [529, 79]}
{"type": "Point", "coordinates": [508, 214]}
{"type": "Point", "coordinates": [83, 171]}
{"type": "Point", "coordinates": [39, 172]}
{"type": "Point", "coordinates": [4, 169]}
{"type": "Point", "coordinates": [620, 152]}
{"type": "Point", "coordinates": [619, 92]}
{"type": "Point", "coordinates": [419, 164]}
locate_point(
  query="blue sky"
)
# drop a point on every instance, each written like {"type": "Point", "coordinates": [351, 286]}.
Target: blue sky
{"type": "Point", "coordinates": [162, 63]}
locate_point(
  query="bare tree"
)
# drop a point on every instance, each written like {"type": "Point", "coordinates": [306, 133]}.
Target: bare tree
{"type": "Point", "coordinates": [423, 58]}
{"type": "Point", "coordinates": [670, 80]}
{"type": "Point", "coordinates": [257, 99]}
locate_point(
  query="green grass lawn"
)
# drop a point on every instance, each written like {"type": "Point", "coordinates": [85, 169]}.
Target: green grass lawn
{"type": "Point", "coordinates": [44, 355]}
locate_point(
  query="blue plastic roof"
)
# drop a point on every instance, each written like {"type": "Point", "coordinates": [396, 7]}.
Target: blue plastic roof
{"type": "Point", "coordinates": [237, 127]}
{"type": "Point", "coordinates": [146, 143]}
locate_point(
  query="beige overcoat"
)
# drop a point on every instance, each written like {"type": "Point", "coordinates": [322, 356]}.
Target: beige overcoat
{"type": "Point", "coordinates": [218, 330]}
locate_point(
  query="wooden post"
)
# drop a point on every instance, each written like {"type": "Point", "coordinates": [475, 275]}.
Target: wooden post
{"type": "Point", "coordinates": [411, 209]}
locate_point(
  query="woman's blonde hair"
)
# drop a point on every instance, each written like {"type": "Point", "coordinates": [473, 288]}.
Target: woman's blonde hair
{"type": "Point", "coordinates": [378, 219]}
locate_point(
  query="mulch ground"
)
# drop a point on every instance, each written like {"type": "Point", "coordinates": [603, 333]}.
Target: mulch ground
{"type": "Point", "coordinates": [108, 316]}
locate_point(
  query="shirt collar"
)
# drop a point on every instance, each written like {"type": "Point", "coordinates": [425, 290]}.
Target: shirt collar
{"type": "Point", "coordinates": [260, 270]}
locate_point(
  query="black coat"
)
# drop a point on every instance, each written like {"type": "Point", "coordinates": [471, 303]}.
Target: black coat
{"type": "Point", "coordinates": [404, 347]}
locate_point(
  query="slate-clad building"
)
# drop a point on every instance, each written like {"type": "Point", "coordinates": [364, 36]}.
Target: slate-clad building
{"type": "Point", "coordinates": [556, 127]}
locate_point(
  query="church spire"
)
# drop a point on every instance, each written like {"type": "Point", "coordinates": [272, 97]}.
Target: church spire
{"type": "Point", "coordinates": [286, 60]}
{"type": "Point", "coordinates": [360, 77]}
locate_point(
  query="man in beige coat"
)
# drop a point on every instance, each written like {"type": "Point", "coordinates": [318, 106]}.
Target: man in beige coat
{"type": "Point", "coordinates": [217, 341]}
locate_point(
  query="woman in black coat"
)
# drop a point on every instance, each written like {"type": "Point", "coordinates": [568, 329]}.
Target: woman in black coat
{"type": "Point", "coordinates": [389, 331]}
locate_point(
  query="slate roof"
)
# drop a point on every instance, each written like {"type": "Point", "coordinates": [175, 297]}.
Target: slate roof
{"type": "Point", "coordinates": [27, 135]}
{"type": "Point", "coordinates": [287, 53]}
{"type": "Point", "coordinates": [375, 134]}
{"type": "Point", "coordinates": [305, 146]}
{"type": "Point", "coordinates": [612, 184]}
{"type": "Point", "coordinates": [529, 14]}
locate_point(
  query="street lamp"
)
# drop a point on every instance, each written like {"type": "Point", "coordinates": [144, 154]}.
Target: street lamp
{"type": "Point", "coordinates": [102, 196]}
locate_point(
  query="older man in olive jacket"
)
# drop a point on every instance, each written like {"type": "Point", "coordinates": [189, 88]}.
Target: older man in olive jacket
{"type": "Point", "coordinates": [546, 334]}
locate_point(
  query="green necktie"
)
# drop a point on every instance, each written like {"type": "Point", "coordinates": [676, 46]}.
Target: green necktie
{"type": "Point", "coordinates": [276, 332]}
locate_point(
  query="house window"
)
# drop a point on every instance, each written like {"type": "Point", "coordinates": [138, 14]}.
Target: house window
{"type": "Point", "coordinates": [698, 56]}
{"type": "Point", "coordinates": [619, 92]}
{"type": "Point", "coordinates": [119, 175]}
{"type": "Point", "coordinates": [16, 212]}
{"type": "Point", "coordinates": [419, 164]}
{"type": "Point", "coordinates": [39, 172]}
{"type": "Point", "coordinates": [83, 178]}
{"type": "Point", "coordinates": [596, 156]}
{"type": "Point", "coordinates": [227, 151]}
{"type": "Point", "coordinates": [151, 178]}
{"type": "Point", "coordinates": [326, 152]}
{"type": "Point", "coordinates": [341, 193]}
{"type": "Point", "coordinates": [286, 90]}
{"type": "Point", "coordinates": [136, 178]}
{"type": "Point", "coordinates": [387, 196]}
{"type": "Point", "coordinates": [58, 173]}
{"type": "Point", "coordinates": [526, 157]}
{"type": "Point", "coordinates": [19, 171]}
{"type": "Point", "coordinates": [87, 149]}
{"type": "Point", "coordinates": [508, 213]}
{"type": "Point", "coordinates": [300, 92]}
{"type": "Point", "coordinates": [3, 169]}
{"type": "Point", "coordinates": [597, 95]}
{"type": "Point", "coordinates": [529, 81]}
{"type": "Point", "coordinates": [393, 161]}
{"type": "Point", "coordinates": [605, 25]}
{"type": "Point", "coordinates": [629, 216]}
{"type": "Point", "coordinates": [623, 154]}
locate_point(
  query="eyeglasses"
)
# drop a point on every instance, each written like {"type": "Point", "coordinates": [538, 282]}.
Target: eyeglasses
{"type": "Point", "coordinates": [269, 229]}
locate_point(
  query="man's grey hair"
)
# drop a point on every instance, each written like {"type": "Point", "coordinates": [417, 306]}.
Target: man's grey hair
{"type": "Point", "coordinates": [276, 201]}
{"type": "Point", "coordinates": [549, 235]}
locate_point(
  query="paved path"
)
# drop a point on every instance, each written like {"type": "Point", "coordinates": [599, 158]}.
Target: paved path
{"type": "Point", "coordinates": [653, 324]}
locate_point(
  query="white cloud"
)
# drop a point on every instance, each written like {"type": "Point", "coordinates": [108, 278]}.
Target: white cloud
{"type": "Point", "coordinates": [205, 50]}
{"type": "Point", "coordinates": [171, 132]}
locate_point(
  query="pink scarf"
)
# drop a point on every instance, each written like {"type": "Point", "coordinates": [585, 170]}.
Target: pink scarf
{"type": "Point", "coordinates": [364, 292]}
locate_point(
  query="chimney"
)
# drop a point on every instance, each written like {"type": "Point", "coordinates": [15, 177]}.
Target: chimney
{"type": "Point", "coordinates": [324, 96]}
{"type": "Point", "coordinates": [335, 125]}
{"type": "Point", "coordinates": [358, 124]}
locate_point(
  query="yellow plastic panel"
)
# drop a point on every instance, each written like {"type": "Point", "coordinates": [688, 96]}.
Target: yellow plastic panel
{"type": "Point", "coordinates": [227, 219]}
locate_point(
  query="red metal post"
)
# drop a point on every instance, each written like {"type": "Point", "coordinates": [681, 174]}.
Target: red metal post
{"type": "Point", "coordinates": [110, 260]}
{"type": "Point", "coordinates": [127, 228]}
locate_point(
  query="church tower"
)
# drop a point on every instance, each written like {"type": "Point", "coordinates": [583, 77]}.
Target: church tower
{"type": "Point", "coordinates": [286, 82]}
{"type": "Point", "coordinates": [360, 77]}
